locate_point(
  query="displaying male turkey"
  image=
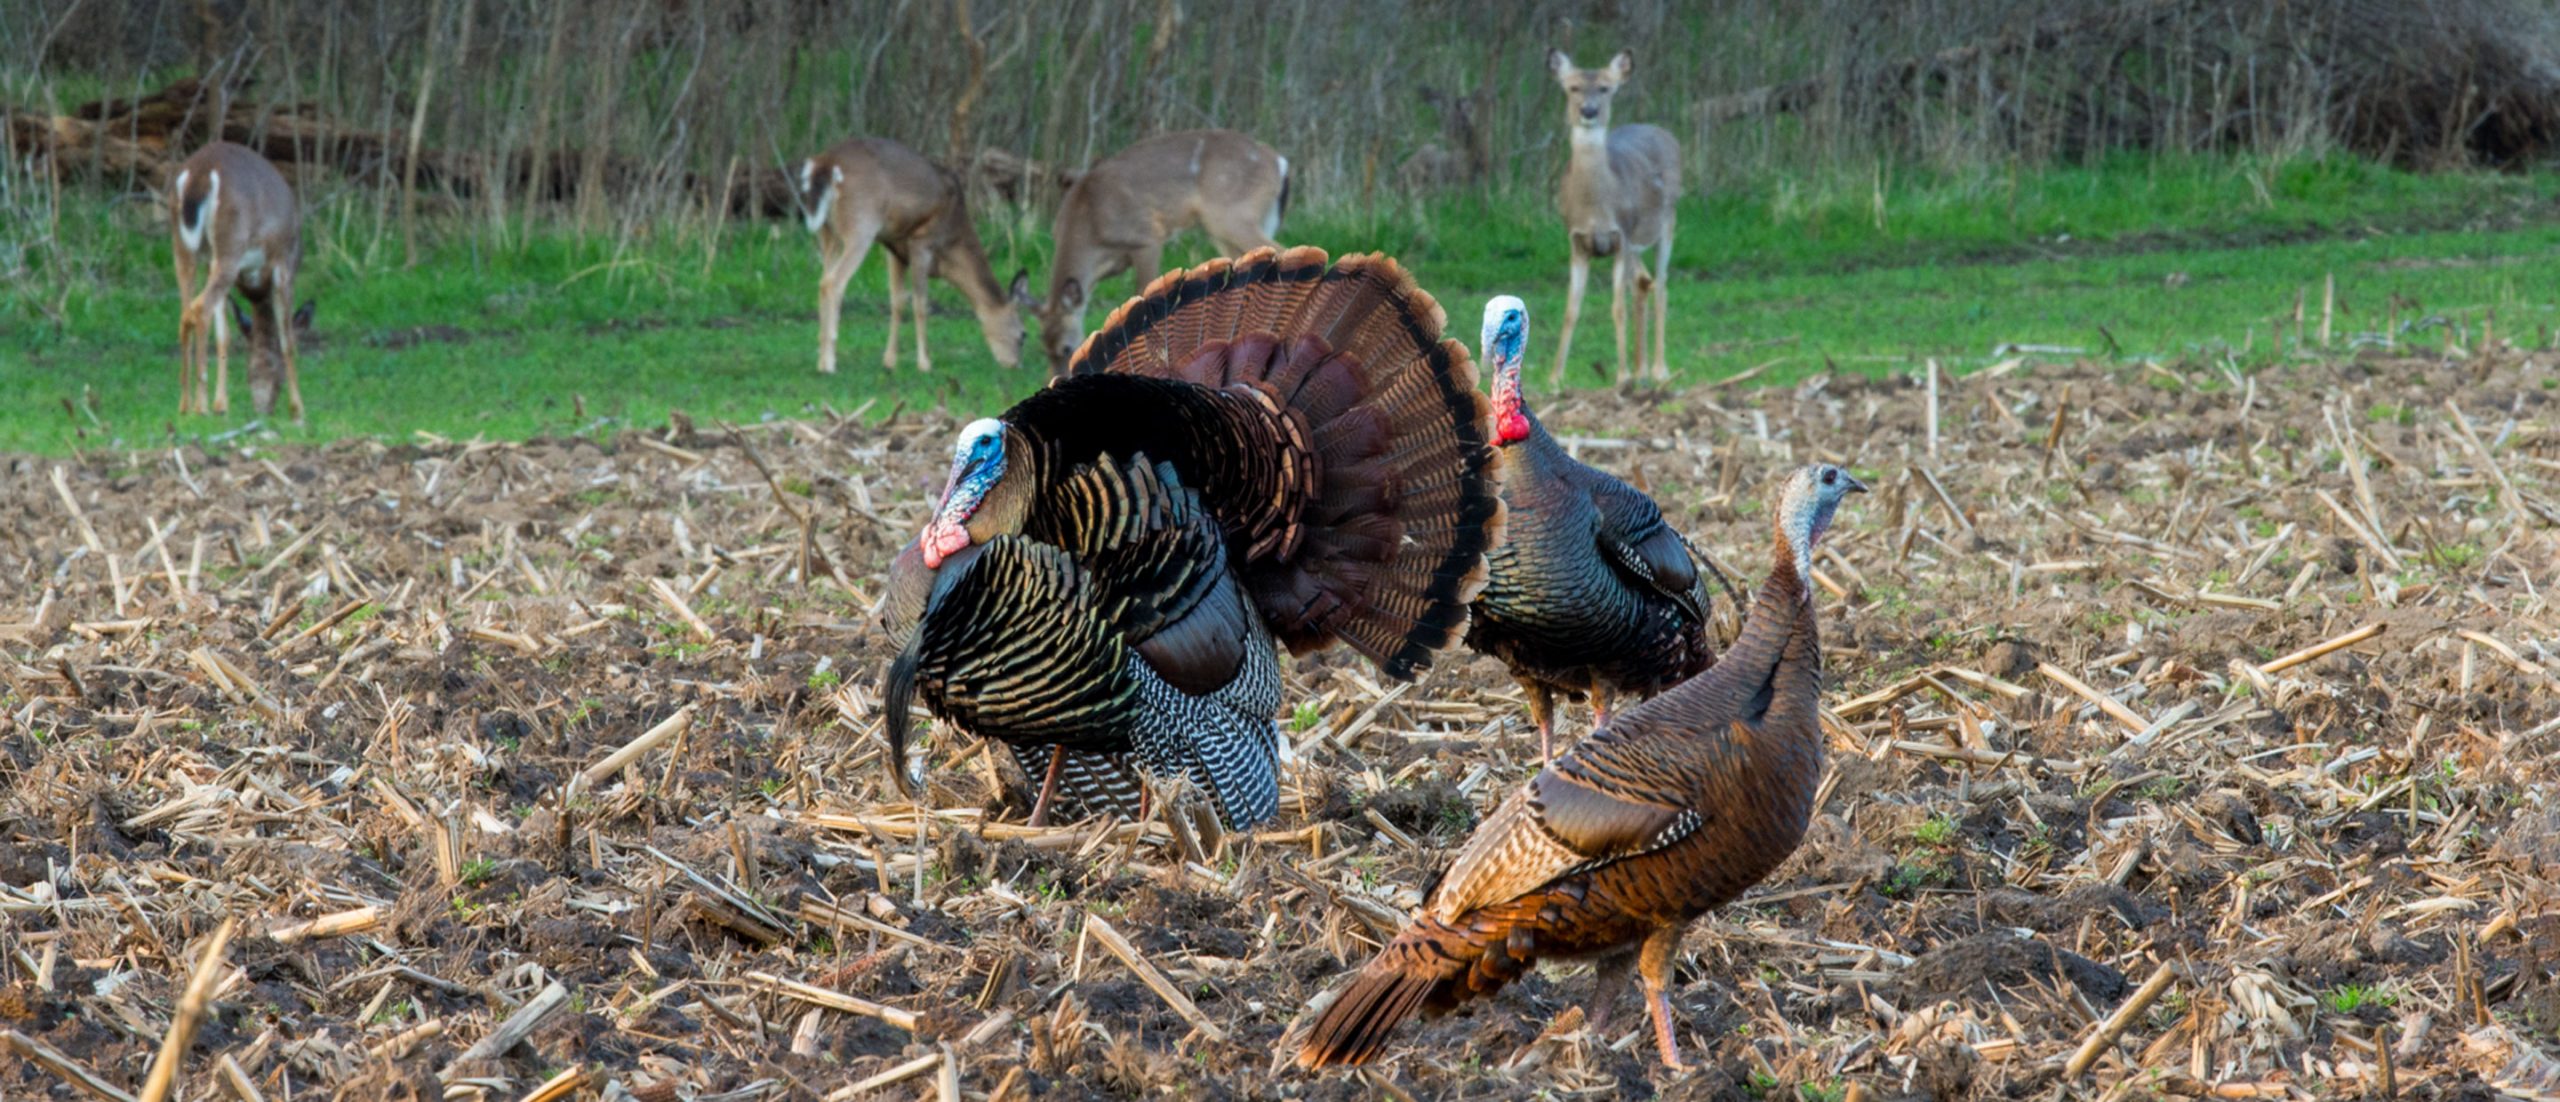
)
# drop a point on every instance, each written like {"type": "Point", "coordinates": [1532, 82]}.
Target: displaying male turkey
{"type": "Point", "coordinates": [1272, 447]}
{"type": "Point", "coordinates": [1674, 807]}
{"type": "Point", "coordinates": [1591, 594]}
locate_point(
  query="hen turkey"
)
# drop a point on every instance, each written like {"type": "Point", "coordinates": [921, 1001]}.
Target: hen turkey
{"type": "Point", "coordinates": [1591, 594]}
{"type": "Point", "coordinates": [1673, 808]}
{"type": "Point", "coordinates": [1269, 449]}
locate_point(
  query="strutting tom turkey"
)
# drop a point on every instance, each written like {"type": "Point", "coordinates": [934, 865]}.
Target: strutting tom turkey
{"type": "Point", "coordinates": [1676, 806]}
{"type": "Point", "coordinates": [1591, 593]}
{"type": "Point", "coordinates": [1270, 451]}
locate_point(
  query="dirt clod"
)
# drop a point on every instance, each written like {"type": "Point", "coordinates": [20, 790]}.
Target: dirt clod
{"type": "Point", "coordinates": [1986, 965]}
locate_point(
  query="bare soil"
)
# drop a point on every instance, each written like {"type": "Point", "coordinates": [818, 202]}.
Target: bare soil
{"type": "Point", "coordinates": [359, 700]}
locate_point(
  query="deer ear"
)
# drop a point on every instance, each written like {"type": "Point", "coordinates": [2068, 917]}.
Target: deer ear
{"type": "Point", "coordinates": [1071, 296]}
{"type": "Point", "coordinates": [1559, 64]}
{"type": "Point", "coordinates": [1622, 64]}
{"type": "Point", "coordinates": [302, 317]}
{"type": "Point", "coordinates": [1021, 289]}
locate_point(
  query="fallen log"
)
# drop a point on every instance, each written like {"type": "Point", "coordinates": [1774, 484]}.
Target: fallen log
{"type": "Point", "coordinates": [145, 137]}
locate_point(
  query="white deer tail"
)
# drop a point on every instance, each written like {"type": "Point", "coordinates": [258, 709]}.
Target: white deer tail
{"type": "Point", "coordinates": [1280, 206]}
{"type": "Point", "coordinates": [196, 213]}
{"type": "Point", "coordinates": [818, 197]}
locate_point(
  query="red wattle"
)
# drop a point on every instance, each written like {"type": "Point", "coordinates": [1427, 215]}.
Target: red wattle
{"type": "Point", "coordinates": [940, 539]}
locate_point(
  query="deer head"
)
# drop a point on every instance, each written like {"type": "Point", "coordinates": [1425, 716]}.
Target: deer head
{"type": "Point", "coordinates": [1587, 91]}
{"type": "Point", "coordinates": [266, 346]}
{"type": "Point", "coordinates": [1061, 327]}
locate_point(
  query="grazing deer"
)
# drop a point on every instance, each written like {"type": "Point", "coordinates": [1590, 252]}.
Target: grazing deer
{"type": "Point", "coordinates": [873, 189]}
{"type": "Point", "coordinates": [1619, 191]}
{"type": "Point", "coordinates": [1120, 212]}
{"type": "Point", "coordinates": [230, 205]}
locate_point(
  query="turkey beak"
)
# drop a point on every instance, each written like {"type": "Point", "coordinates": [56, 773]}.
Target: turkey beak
{"type": "Point", "coordinates": [1855, 486]}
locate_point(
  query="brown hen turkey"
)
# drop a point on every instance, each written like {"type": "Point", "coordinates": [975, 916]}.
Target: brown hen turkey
{"type": "Point", "coordinates": [1591, 593]}
{"type": "Point", "coordinates": [1673, 808]}
{"type": "Point", "coordinates": [1276, 448]}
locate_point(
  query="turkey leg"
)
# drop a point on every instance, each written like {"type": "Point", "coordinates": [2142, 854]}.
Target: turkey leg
{"type": "Point", "coordinates": [1654, 961]}
{"type": "Point", "coordinates": [1048, 787]}
{"type": "Point", "coordinates": [1599, 706]}
{"type": "Point", "coordinates": [1542, 711]}
{"type": "Point", "coordinates": [1609, 981]}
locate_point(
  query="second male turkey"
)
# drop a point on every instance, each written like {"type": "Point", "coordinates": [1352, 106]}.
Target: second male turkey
{"type": "Point", "coordinates": [1592, 594]}
{"type": "Point", "coordinates": [1275, 450]}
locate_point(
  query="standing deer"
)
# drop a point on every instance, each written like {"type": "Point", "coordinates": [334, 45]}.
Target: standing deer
{"type": "Point", "coordinates": [1120, 212]}
{"type": "Point", "coordinates": [872, 189]}
{"type": "Point", "coordinates": [1619, 191]}
{"type": "Point", "coordinates": [230, 205]}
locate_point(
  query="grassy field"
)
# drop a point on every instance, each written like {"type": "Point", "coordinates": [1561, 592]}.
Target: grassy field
{"type": "Point", "coordinates": [512, 335]}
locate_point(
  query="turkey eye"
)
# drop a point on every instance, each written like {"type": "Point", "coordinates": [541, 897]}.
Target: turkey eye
{"type": "Point", "coordinates": [1830, 478]}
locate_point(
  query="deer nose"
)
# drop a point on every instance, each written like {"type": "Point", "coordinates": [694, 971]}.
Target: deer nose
{"type": "Point", "coordinates": [1590, 111]}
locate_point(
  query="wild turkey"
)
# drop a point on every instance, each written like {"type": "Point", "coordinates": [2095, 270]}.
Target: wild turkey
{"type": "Point", "coordinates": [1590, 593]}
{"type": "Point", "coordinates": [1674, 807]}
{"type": "Point", "coordinates": [1269, 447]}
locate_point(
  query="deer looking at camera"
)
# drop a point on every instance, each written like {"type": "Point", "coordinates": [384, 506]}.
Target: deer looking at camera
{"type": "Point", "coordinates": [1619, 192]}
{"type": "Point", "coordinates": [1119, 213]}
{"type": "Point", "coordinates": [232, 215]}
{"type": "Point", "coordinates": [873, 189]}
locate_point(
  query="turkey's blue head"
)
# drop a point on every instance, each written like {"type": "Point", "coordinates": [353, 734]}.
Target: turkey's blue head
{"type": "Point", "coordinates": [1805, 507]}
{"type": "Point", "coordinates": [1506, 344]}
{"type": "Point", "coordinates": [977, 465]}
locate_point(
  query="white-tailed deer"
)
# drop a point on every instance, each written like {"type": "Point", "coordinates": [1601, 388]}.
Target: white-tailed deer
{"type": "Point", "coordinates": [1120, 212]}
{"type": "Point", "coordinates": [232, 214]}
{"type": "Point", "coordinates": [873, 189]}
{"type": "Point", "coordinates": [1619, 193]}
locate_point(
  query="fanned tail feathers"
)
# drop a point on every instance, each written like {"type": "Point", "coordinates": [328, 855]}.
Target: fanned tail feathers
{"type": "Point", "coordinates": [1387, 548]}
{"type": "Point", "coordinates": [1398, 984]}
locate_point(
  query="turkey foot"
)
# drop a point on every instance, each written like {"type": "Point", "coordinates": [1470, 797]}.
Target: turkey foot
{"type": "Point", "coordinates": [1654, 961]}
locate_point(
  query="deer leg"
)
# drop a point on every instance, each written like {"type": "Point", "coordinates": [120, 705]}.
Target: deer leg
{"type": "Point", "coordinates": [1638, 303]}
{"type": "Point", "coordinates": [1577, 279]}
{"type": "Point", "coordinates": [1618, 279]}
{"type": "Point", "coordinates": [838, 265]}
{"type": "Point", "coordinates": [919, 268]}
{"type": "Point", "coordinates": [1653, 961]}
{"type": "Point", "coordinates": [1144, 265]}
{"type": "Point", "coordinates": [1662, 307]}
{"type": "Point", "coordinates": [186, 329]}
{"type": "Point", "coordinates": [1237, 235]}
{"type": "Point", "coordinates": [897, 302]}
{"type": "Point", "coordinates": [217, 295]}
{"type": "Point", "coordinates": [830, 303]}
{"type": "Point", "coordinates": [280, 311]}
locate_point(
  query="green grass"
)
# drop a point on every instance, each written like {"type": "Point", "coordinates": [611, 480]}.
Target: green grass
{"type": "Point", "coordinates": [2355, 996]}
{"type": "Point", "coordinates": [2128, 259]}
